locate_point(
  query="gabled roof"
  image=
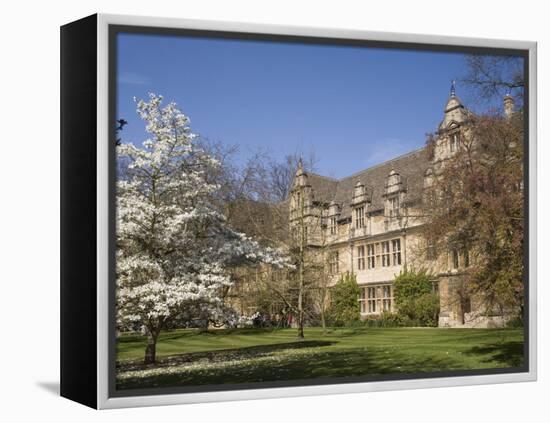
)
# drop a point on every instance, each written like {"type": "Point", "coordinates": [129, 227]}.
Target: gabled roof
{"type": "Point", "coordinates": [455, 113]}
{"type": "Point", "coordinates": [324, 188]}
{"type": "Point", "coordinates": [411, 167]}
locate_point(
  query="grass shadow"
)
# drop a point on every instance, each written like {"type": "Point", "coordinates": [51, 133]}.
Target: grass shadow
{"type": "Point", "coordinates": [233, 354]}
{"type": "Point", "coordinates": [189, 333]}
{"type": "Point", "coordinates": [510, 354]}
{"type": "Point", "coordinates": [291, 366]}
{"type": "Point", "coordinates": [344, 352]}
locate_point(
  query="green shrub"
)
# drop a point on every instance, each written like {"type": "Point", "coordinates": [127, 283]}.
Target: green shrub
{"type": "Point", "coordinates": [515, 323]}
{"type": "Point", "coordinates": [386, 320]}
{"type": "Point", "coordinates": [414, 298]}
{"type": "Point", "coordinates": [389, 320]}
{"type": "Point", "coordinates": [344, 302]}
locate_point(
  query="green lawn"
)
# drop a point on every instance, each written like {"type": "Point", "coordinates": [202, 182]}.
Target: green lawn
{"type": "Point", "coordinates": [187, 357]}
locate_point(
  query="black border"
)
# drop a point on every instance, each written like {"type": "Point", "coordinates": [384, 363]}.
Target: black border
{"type": "Point", "coordinates": [114, 30]}
{"type": "Point", "coordinates": [78, 211]}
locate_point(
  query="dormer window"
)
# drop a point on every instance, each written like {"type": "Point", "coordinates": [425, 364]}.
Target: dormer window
{"type": "Point", "coordinates": [394, 207]}
{"type": "Point", "coordinates": [393, 182]}
{"type": "Point", "coordinates": [360, 217]}
{"type": "Point", "coordinates": [359, 190]}
{"type": "Point", "coordinates": [394, 187]}
{"type": "Point", "coordinates": [333, 214]}
{"type": "Point", "coordinates": [359, 194]}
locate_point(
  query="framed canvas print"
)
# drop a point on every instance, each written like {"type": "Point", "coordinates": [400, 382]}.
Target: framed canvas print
{"type": "Point", "coordinates": [253, 211]}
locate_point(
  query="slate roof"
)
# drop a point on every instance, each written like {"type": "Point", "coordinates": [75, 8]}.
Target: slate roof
{"type": "Point", "coordinates": [411, 167]}
{"type": "Point", "coordinates": [324, 188]}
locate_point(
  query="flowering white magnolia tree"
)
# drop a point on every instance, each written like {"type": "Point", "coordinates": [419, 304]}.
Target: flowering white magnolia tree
{"type": "Point", "coordinates": [173, 247]}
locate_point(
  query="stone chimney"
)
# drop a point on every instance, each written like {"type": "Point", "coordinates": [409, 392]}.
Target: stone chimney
{"type": "Point", "coordinates": [359, 193]}
{"type": "Point", "coordinates": [509, 105]}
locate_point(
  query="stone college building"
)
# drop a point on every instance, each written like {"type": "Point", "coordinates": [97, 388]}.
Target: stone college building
{"type": "Point", "coordinates": [369, 224]}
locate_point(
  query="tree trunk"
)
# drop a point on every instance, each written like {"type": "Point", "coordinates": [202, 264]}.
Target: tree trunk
{"type": "Point", "coordinates": [151, 349]}
{"type": "Point", "coordinates": [324, 297]}
{"type": "Point", "coordinates": [462, 310]}
{"type": "Point", "coordinates": [323, 323]}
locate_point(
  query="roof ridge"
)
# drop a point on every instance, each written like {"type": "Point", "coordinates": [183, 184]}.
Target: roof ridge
{"type": "Point", "coordinates": [402, 156]}
{"type": "Point", "coordinates": [353, 175]}
{"type": "Point", "coordinates": [323, 176]}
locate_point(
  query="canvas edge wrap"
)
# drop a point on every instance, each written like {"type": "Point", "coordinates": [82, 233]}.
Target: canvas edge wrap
{"type": "Point", "coordinates": [103, 347]}
{"type": "Point", "coordinates": [78, 309]}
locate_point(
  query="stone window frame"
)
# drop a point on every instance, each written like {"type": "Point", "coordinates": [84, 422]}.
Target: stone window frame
{"type": "Point", "coordinates": [371, 256]}
{"type": "Point", "coordinates": [371, 299]}
{"type": "Point", "coordinates": [361, 257]}
{"type": "Point", "coordinates": [385, 253]}
{"type": "Point", "coordinates": [333, 225]}
{"type": "Point", "coordinates": [396, 252]}
{"type": "Point", "coordinates": [362, 301]}
{"type": "Point", "coordinates": [375, 299]}
{"type": "Point", "coordinates": [387, 297]}
{"type": "Point", "coordinates": [459, 257]}
{"type": "Point", "coordinates": [359, 217]}
{"type": "Point", "coordinates": [455, 258]}
{"type": "Point", "coordinates": [394, 206]}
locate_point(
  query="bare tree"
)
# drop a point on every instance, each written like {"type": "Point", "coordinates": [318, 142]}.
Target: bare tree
{"type": "Point", "coordinates": [489, 78]}
{"type": "Point", "coordinates": [262, 210]}
{"type": "Point", "coordinates": [281, 174]}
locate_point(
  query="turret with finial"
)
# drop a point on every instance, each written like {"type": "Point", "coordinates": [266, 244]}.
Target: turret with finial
{"type": "Point", "coordinates": [300, 176]}
{"type": "Point", "coordinates": [299, 168]}
{"type": "Point", "coordinates": [455, 112]}
{"type": "Point", "coordinates": [509, 105]}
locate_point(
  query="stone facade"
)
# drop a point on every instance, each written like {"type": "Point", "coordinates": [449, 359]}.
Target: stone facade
{"type": "Point", "coordinates": [369, 223]}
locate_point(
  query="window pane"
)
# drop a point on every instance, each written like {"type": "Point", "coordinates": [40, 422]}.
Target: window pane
{"type": "Point", "coordinates": [455, 259]}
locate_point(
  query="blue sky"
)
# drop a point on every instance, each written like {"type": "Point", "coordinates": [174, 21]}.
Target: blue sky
{"type": "Point", "coordinates": [353, 106]}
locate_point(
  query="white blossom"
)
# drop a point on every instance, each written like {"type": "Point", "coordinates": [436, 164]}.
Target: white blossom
{"type": "Point", "coordinates": [173, 246]}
